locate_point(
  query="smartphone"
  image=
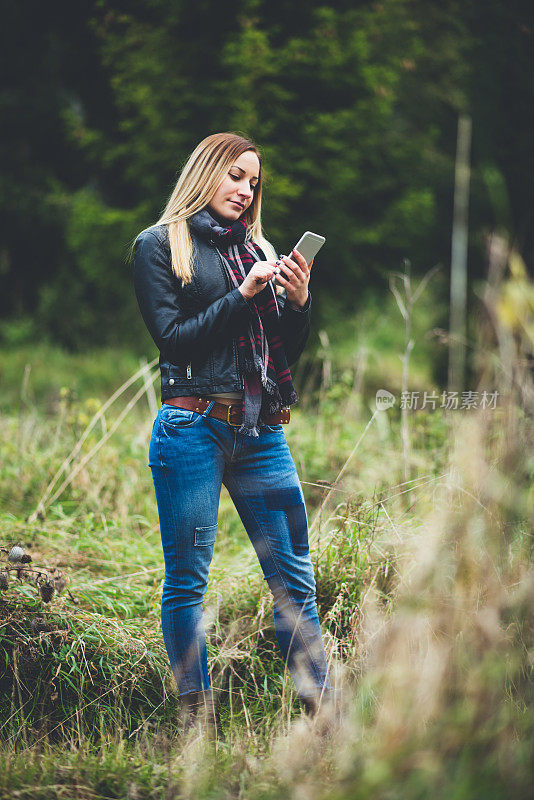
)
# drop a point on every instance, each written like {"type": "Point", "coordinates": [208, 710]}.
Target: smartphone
{"type": "Point", "coordinates": [309, 245]}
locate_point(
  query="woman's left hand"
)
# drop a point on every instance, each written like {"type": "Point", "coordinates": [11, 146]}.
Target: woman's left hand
{"type": "Point", "coordinates": [294, 276]}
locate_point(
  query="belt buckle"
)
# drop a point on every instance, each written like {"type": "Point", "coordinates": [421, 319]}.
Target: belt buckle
{"type": "Point", "coordinates": [229, 421]}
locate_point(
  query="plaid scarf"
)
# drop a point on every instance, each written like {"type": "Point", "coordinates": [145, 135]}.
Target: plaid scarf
{"type": "Point", "coordinates": [266, 377]}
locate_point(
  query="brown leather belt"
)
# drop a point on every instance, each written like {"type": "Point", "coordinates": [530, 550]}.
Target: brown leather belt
{"type": "Point", "coordinates": [231, 414]}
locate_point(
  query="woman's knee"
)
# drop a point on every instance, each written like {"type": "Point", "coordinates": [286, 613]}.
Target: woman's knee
{"type": "Point", "coordinates": [297, 587]}
{"type": "Point", "coordinates": [187, 590]}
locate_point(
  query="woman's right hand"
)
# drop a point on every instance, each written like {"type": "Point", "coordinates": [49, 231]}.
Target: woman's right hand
{"type": "Point", "coordinates": [257, 278]}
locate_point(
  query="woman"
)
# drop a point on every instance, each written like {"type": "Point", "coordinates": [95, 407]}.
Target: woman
{"type": "Point", "coordinates": [206, 291]}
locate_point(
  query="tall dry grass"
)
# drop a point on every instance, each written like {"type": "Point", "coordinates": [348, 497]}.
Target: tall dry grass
{"type": "Point", "coordinates": [445, 704]}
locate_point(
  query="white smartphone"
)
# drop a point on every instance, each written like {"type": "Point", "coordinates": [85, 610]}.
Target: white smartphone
{"type": "Point", "coordinates": [309, 245]}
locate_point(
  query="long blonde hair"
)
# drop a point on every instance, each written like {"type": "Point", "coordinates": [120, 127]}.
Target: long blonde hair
{"type": "Point", "coordinates": [199, 179]}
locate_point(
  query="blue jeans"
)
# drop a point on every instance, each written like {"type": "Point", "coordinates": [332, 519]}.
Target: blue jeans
{"type": "Point", "coordinates": [191, 455]}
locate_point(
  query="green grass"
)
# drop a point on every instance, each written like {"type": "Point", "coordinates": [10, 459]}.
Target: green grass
{"type": "Point", "coordinates": [424, 593]}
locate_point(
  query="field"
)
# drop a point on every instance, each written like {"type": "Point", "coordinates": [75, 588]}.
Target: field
{"type": "Point", "coordinates": [421, 539]}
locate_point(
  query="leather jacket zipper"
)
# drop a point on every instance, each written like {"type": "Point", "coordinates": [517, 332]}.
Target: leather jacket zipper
{"type": "Point", "coordinates": [235, 358]}
{"type": "Point", "coordinates": [189, 371]}
{"type": "Point", "coordinates": [223, 268]}
{"type": "Point", "coordinates": [228, 286]}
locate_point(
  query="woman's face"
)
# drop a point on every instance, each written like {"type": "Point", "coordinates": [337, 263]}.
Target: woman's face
{"type": "Point", "coordinates": [236, 191]}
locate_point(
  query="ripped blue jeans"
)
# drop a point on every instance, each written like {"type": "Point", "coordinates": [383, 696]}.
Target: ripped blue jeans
{"type": "Point", "coordinates": [191, 455]}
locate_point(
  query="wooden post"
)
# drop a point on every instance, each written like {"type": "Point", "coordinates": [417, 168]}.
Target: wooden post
{"type": "Point", "coordinates": [458, 295]}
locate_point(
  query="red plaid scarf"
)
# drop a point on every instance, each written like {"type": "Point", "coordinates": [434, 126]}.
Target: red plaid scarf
{"type": "Point", "coordinates": [267, 380]}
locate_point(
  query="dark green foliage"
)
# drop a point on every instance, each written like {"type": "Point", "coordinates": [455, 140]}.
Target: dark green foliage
{"type": "Point", "coordinates": [354, 105]}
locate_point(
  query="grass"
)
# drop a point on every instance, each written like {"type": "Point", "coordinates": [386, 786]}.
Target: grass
{"type": "Point", "coordinates": [425, 591]}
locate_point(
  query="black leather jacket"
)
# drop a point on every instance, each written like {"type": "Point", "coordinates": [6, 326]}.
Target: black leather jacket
{"type": "Point", "coordinates": [195, 326]}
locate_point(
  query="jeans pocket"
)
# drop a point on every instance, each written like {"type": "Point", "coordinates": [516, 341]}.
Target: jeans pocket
{"type": "Point", "coordinates": [205, 537]}
{"type": "Point", "coordinates": [174, 418]}
{"type": "Point", "coordinates": [273, 428]}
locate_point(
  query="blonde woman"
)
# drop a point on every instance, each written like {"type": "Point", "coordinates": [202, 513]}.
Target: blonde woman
{"type": "Point", "coordinates": [205, 279]}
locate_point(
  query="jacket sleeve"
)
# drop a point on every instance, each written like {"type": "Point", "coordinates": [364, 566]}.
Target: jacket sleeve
{"type": "Point", "coordinates": [158, 294]}
{"type": "Point", "coordinates": [295, 327]}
